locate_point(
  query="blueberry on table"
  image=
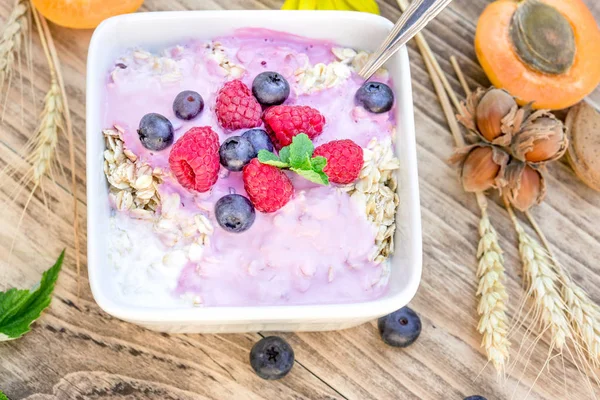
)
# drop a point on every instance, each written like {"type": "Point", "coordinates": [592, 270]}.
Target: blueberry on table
{"type": "Point", "coordinates": [155, 132]}
{"type": "Point", "coordinates": [260, 139]}
{"type": "Point", "coordinates": [375, 97]}
{"type": "Point", "coordinates": [188, 104]}
{"type": "Point", "coordinates": [235, 152]}
{"type": "Point", "coordinates": [400, 328]}
{"type": "Point", "coordinates": [235, 213]}
{"type": "Point", "coordinates": [270, 88]}
{"type": "Point", "coordinates": [475, 398]}
{"type": "Point", "coordinates": [272, 358]}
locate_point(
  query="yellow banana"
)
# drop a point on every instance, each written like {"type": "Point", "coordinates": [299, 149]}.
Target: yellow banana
{"type": "Point", "coordinates": [356, 5]}
{"type": "Point", "coordinates": [342, 5]}
{"type": "Point", "coordinates": [369, 6]}
{"type": "Point", "coordinates": [325, 5]}
{"type": "Point", "coordinates": [290, 5]}
{"type": "Point", "coordinates": [307, 5]}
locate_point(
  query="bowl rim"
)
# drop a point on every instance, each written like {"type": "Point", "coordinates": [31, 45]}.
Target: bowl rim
{"type": "Point", "coordinates": [264, 313]}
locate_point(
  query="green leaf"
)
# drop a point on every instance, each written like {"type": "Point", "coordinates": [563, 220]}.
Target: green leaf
{"type": "Point", "coordinates": [313, 176]}
{"type": "Point", "coordinates": [3, 396]}
{"type": "Point", "coordinates": [319, 163]}
{"type": "Point", "coordinates": [20, 308]}
{"type": "Point", "coordinates": [298, 158]}
{"type": "Point", "coordinates": [266, 157]}
{"type": "Point", "coordinates": [302, 163]}
{"type": "Point", "coordinates": [301, 151]}
{"type": "Point", "coordinates": [284, 154]}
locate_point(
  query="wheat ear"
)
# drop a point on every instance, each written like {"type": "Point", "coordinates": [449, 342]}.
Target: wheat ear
{"type": "Point", "coordinates": [11, 41]}
{"type": "Point", "coordinates": [492, 308]}
{"type": "Point", "coordinates": [43, 152]}
{"type": "Point", "coordinates": [584, 313]}
{"type": "Point", "coordinates": [543, 285]}
{"type": "Point", "coordinates": [42, 145]}
{"type": "Point", "coordinates": [584, 318]}
{"type": "Point", "coordinates": [493, 323]}
{"type": "Point", "coordinates": [48, 43]}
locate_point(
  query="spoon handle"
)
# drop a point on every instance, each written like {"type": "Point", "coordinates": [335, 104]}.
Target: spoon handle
{"type": "Point", "coordinates": [414, 19]}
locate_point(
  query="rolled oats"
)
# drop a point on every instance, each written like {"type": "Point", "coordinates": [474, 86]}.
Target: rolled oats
{"type": "Point", "coordinates": [204, 225]}
{"type": "Point", "coordinates": [162, 66]}
{"type": "Point", "coordinates": [229, 67]}
{"type": "Point", "coordinates": [357, 60]}
{"type": "Point", "coordinates": [375, 192]}
{"type": "Point", "coordinates": [321, 76]}
{"type": "Point", "coordinates": [132, 182]}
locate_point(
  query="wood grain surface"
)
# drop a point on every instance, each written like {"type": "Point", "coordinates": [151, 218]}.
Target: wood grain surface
{"type": "Point", "coordinates": [76, 351]}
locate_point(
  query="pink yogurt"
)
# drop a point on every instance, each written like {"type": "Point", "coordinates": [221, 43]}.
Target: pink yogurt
{"type": "Point", "coordinates": [316, 249]}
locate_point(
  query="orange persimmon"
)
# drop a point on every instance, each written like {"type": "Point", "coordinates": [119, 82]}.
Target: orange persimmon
{"type": "Point", "coordinates": [84, 14]}
{"type": "Point", "coordinates": [541, 51]}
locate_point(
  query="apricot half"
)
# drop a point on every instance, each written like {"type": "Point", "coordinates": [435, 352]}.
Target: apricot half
{"type": "Point", "coordinates": [541, 51]}
{"type": "Point", "coordinates": [84, 14]}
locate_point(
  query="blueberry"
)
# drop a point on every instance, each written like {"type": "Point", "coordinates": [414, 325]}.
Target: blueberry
{"type": "Point", "coordinates": [235, 213]}
{"type": "Point", "coordinates": [475, 398]}
{"type": "Point", "coordinates": [235, 152]}
{"type": "Point", "coordinates": [400, 328]}
{"type": "Point", "coordinates": [272, 358]}
{"type": "Point", "coordinates": [188, 104]}
{"type": "Point", "coordinates": [375, 97]}
{"type": "Point", "coordinates": [155, 132]}
{"type": "Point", "coordinates": [260, 139]}
{"type": "Point", "coordinates": [270, 88]}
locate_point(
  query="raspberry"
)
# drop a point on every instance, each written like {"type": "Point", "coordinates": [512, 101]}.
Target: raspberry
{"type": "Point", "coordinates": [236, 108]}
{"type": "Point", "coordinates": [285, 122]}
{"type": "Point", "coordinates": [344, 160]}
{"type": "Point", "coordinates": [194, 159]}
{"type": "Point", "coordinates": [268, 187]}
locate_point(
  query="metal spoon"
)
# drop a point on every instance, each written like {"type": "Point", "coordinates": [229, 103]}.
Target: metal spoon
{"type": "Point", "coordinates": [416, 17]}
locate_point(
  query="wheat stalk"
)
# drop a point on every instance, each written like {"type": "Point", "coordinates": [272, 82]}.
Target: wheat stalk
{"type": "Point", "coordinates": [42, 145]}
{"type": "Point", "coordinates": [557, 298]}
{"type": "Point", "coordinates": [543, 284]}
{"type": "Point", "coordinates": [584, 313]}
{"type": "Point", "coordinates": [493, 296]}
{"type": "Point", "coordinates": [11, 41]}
{"type": "Point", "coordinates": [493, 324]}
{"type": "Point", "coordinates": [584, 318]}
{"type": "Point", "coordinates": [58, 80]}
{"type": "Point", "coordinates": [46, 136]}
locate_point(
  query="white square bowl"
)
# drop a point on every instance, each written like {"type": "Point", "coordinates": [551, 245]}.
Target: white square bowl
{"type": "Point", "coordinates": [155, 30]}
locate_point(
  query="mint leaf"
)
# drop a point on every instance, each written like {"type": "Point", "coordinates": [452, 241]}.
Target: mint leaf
{"type": "Point", "coordinates": [266, 157]}
{"type": "Point", "coordinates": [298, 158]}
{"type": "Point", "coordinates": [302, 163]}
{"type": "Point", "coordinates": [301, 150]}
{"type": "Point", "coordinates": [284, 154]}
{"type": "Point", "coordinates": [3, 396]}
{"type": "Point", "coordinates": [20, 308]}
{"type": "Point", "coordinates": [318, 163]}
{"type": "Point", "coordinates": [313, 176]}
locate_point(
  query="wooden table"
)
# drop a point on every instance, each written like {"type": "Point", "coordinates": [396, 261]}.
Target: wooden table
{"type": "Point", "coordinates": [76, 351]}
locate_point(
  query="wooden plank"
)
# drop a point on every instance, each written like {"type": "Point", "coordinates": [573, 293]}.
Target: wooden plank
{"type": "Point", "coordinates": [78, 351]}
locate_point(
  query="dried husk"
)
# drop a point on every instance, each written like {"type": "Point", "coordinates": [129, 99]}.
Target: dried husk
{"type": "Point", "coordinates": [479, 174]}
{"type": "Point", "coordinates": [495, 106]}
{"type": "Point", "coordinates": [583, 123]}
{"type": "Point", "coordinates": [542, 138]}
{"type": "Point", "coordinates": [523, 188]}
